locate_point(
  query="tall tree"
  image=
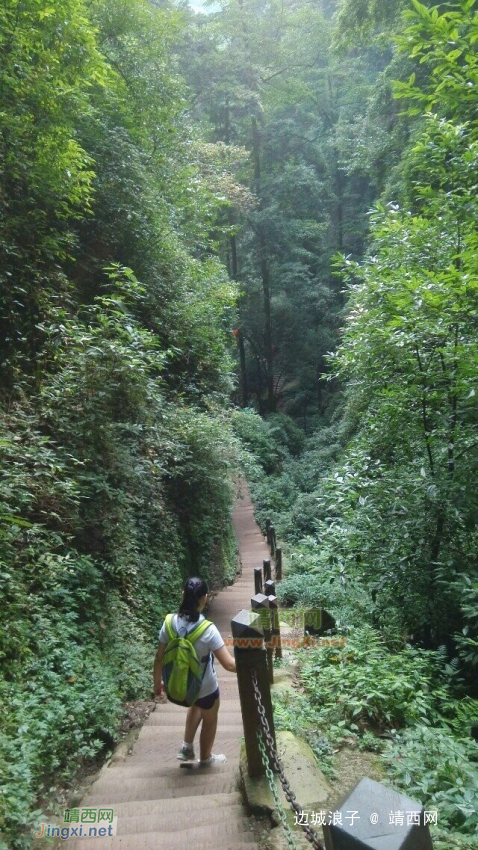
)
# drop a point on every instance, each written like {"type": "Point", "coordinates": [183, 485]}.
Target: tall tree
{"type": "Point", "coordinates": [46, 176]}
{"type": "Point", "coordinates": [291, 114]}
{"type": "Point", "coordinates": [409, 348]}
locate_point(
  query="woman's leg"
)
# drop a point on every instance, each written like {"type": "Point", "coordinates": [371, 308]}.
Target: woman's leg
{"type": "Point", "coordinates": [208, 730]}
{"type": "Point", "coordinates": [193, 719]}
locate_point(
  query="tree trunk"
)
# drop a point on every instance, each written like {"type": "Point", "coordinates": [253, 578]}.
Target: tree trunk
{"type": "Point", "coordinates": [265, 271]}
{"type": "Point", "coordinates": [233, 269]}
{"type": "Point", "coordinates": [243, 372]}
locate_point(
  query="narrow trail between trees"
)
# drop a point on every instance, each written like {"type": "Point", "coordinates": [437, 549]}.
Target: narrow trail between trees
{"type": "Point", "coordinates": [159, 804]}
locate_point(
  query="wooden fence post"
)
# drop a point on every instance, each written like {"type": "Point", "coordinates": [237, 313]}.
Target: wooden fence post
{"type": "Point", "coordinates": [275, 626]}
{"type": "Point", "coordinates": [250, 655]}
{"type": "Point", "coordinates": [272, 544]}
{"type": "Point", "coordinates": [266, 565]}
{"type": "Point", "coordinates": [260, 604]}
{"type": "Point", "coordinates": [278, 570]}
{"type": "Point", "coordinates": [257, 579]}
{"type": "Point", "coordinates": [269, 588]}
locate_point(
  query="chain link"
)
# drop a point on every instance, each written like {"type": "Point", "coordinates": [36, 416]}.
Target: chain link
{"type": "Point", "coordinates": [275, 793]}
{"type": "Point", "coordinates": [290, 796]}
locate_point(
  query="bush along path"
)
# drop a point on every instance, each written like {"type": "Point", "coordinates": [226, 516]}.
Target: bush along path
{"type": "Point", "coordinates": [159, 805]}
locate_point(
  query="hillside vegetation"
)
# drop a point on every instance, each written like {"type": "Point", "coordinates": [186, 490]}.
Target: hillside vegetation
{"type": "Point", "coordinates": [114, 370]}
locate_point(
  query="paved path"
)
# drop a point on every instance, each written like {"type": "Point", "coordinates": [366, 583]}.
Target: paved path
{"type": "Point", "coordinates": [159, 805]}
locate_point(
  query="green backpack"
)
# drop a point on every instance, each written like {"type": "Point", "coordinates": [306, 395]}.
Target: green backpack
{"type": "Point", "coordinates": [181, 666]}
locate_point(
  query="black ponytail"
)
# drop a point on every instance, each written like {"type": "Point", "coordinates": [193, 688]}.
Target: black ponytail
{"type": "Point", "coordinates": [194, 589]}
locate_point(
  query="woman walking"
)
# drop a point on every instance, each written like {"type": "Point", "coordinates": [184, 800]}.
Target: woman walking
{"type": "Point", "coordinates": [209, 644]}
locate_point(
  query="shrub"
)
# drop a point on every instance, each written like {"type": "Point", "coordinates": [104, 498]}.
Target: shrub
{"type": "Point", "coordinates": [377, 689]}
{"type": "Point", "coordinates": [259, 438]}
{"type": "Point", "coordinates": [441, 772]}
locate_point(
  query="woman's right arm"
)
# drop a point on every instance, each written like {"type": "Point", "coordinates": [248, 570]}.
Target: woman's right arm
{"type": "Point", "coordinates": [158, 669]}
{"type": "Point", "coordinates": [225, 659]}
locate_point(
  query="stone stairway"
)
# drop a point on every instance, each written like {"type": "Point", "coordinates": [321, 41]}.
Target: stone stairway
{"type": "Point", "coordinates": [159, 804]}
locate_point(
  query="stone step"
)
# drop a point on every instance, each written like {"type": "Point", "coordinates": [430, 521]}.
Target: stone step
{"type": "Point", "coordinates": [243, 590]}
{"type": "Point", "coordinates": [174, 718]}
{"type": "Point", "coordinates": [229, 692]}
{"type": "Point", "coordinates": [162, 755]}
{"type": "Point", "coordinates": [215, 821]}
{"type": "Point", "coordinates": [169, 822]}
{"type": "Point", "coordinates": [154, 769]}
{"type": "Point", "coordinates": [230, 703]}
{"type": "Point", "coordinates": [190, 806]}
{"type": "Point", "coordinates": [165, 746]}
{"type": "Point", "coordinates": [151, 761]}
{"type": "Point", "coordinates": [228, 695]}
{"type": "Point", "coordinates": [228, 717]}
{"type": "Point", "coordinates": [163, 752]}
{"type": "Point", "coordinates": [175, 733]}
{"type": "Point", "coordinates": [181, 783]}
{"type": "Point", "coordinates": [226, 836]}
{"type": "Point", "coordinates": [165, 841]}
{"type": "Point", "coordinates": [230, 723]}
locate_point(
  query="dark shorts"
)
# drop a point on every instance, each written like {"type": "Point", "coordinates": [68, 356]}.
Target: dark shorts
{"type": "Point", "coordinates": [208, 701]}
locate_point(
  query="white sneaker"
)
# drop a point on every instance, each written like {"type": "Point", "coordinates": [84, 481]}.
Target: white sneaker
{"type": "Point", "coordinates": [186, 753]}
{"type": "Point", "coordinates": [213, 759]}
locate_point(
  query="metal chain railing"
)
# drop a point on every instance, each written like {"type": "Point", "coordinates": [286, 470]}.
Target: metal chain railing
{"type": "Point", "coordinates": [275, 793]}
{"type": "Point", "coordinates": [266, 733]}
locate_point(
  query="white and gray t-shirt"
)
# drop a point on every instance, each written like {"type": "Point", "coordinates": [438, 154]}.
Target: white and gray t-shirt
{"type": "Point", "coordinates": [209, 641]}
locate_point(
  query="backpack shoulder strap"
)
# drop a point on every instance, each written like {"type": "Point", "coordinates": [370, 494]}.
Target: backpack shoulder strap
{"type": "Point", "coordinates": [169, 627]}
{"type": "Point", "coordinates": [196, 633]}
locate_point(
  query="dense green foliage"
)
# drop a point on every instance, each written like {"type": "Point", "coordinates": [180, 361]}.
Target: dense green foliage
{"type": "Point", "coordinates": [295, 116]}
{"type": "Point", "coordinates": [401, 706]}
{"type": "Point", "coordinates": [381, 500]}
{"type": "Point", "coordinates": [115, 448]}
{"type": "Point", "coordinates": [378, 514]}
